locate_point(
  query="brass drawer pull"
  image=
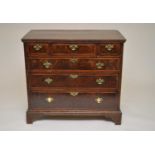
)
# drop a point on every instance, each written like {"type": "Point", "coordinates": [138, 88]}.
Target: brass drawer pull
{"type": "Point", "coordinates": [49, 99]}
{"type": "Point", "coordinates": [100, 81]}
{"type": "Point", "coordinates": [99, 65]}
{"type": "Point", "coordinates": [73, 60]}
{"type": "Point", "coordinates": [73, 76]}
{"type": "Point", "coordinates": [37, 47]}
{"type": "Point", "coordinates": [73, 47]}
{"type": "Point", "coordinates": [48, 80]}
{"type": "Point", "coordinates": [109, 47]}
{"type": "Point", "coordinates": [47, 64]}
{"type": "Point", "coordinates": [99, 100]}
{"type": "Point", "coordinates": [74, 93]}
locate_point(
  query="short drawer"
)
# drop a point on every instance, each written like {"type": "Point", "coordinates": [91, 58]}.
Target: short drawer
{"type": "Point", "coordinates": [37, 49]}
{"type": "Point", "coordinates": [74, 100]}
{"type": "Point", "coordinates": [74, 80]}
{"type": "Point", "coordinates": [74, 64]}
{"type": "Point", "coordinates": [72, 49]}
{"type": "Point", "coordinates": [109, 49]}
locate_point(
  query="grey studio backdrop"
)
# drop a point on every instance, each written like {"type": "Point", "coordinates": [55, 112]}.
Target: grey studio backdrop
{"type": "Point", "coordinates": [138, 82]}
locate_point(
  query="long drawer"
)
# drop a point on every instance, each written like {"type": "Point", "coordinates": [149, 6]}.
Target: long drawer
{"type": "Point", "coordinates": [74, 100]}
{"type": "Point", "coordinates": [74, 80]}
{"type": "Point", "coordinates": [43, 64]}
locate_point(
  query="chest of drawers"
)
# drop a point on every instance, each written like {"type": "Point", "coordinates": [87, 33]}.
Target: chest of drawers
{"type": "Point", "coordinates": [73, 73]}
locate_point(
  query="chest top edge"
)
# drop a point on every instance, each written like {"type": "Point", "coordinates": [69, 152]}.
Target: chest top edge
{"type": "Point", "coordinates": [74, 35]}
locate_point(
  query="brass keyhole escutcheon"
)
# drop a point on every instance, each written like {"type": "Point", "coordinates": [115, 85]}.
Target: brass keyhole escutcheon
{"type": "Point", "coordinates": [73, 76]}
{"type": "Point", "coordinates": [99, 100]}
{"type": "Point", "coordinates": [74, 93]}
{"type": "Point", "coordinates": [73, 60]}
{"type": "Point", "coordinates": [74, 47]}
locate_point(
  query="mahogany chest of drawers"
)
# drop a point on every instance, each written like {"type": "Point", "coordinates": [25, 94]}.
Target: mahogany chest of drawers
{"type": "Point", "coordinates": [73, 73]}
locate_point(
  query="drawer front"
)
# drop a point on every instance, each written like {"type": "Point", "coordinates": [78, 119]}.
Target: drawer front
{"type": "Point", "coordinates": [37, 49]}
{"type": "Point", "coordinates": [72, 49]}
{"type": "Point", "coordinates": [74, 64]}
{"type": "Point", "coordinates": [109, 49]}
{"type": "Point", "coordinates": [74, 80]}
{"type": "Point", "coordinates": [74, 100]}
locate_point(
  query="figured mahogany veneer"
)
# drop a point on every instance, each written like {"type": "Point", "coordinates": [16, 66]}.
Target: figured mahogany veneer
{"type": "Point", "coordinates": [73, 73]}
{"type": "Point", "coordinates": [37, 65]}
{"type": "Point", "coordinates": [81, 101]}
{"type": "Point", "coordinates": [72, 49]}
{"type": "Point", "coordinates": [69, 81]}
{"type": "Point", "coordinates": [109, 49]}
